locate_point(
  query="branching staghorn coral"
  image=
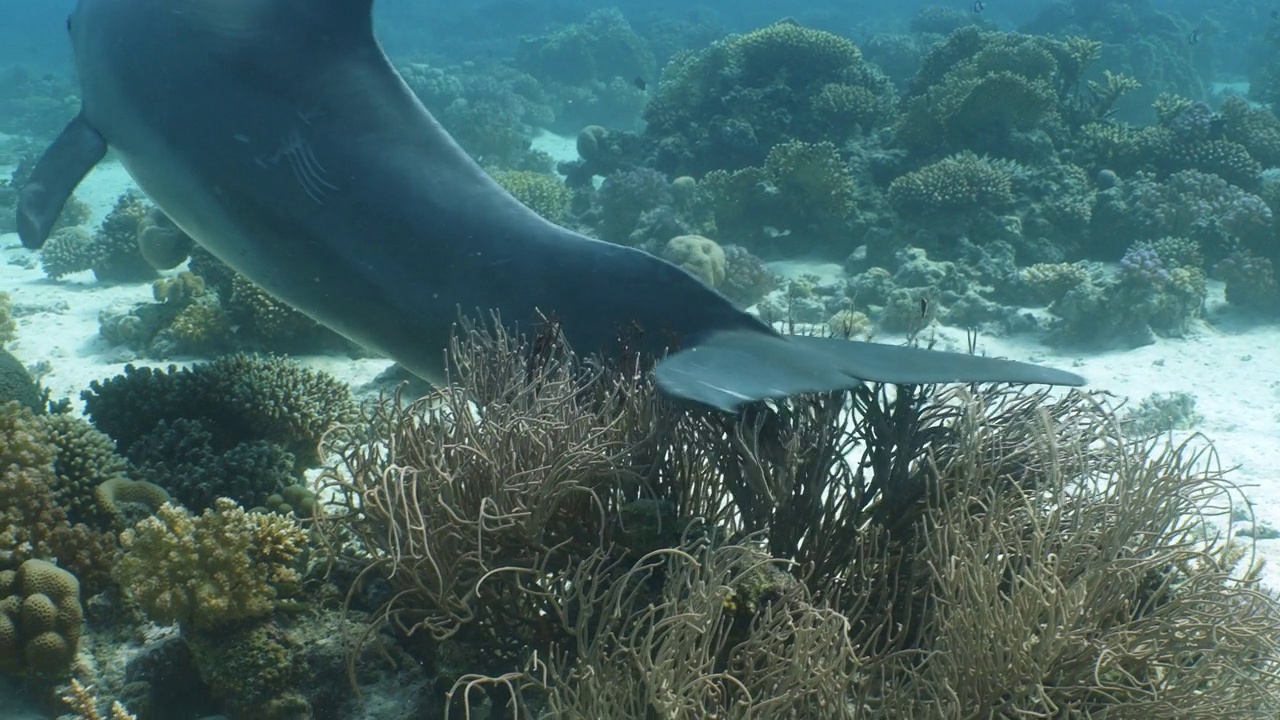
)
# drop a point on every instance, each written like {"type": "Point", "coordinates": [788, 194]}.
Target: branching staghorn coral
{"type": "Point", "coordinates": [572, 545]}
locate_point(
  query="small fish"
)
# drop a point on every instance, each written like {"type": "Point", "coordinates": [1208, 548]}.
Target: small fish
{"type": "Point", "coordinates": [979, 6]}
{"type": "Point", "coordinates": [640, 84]}
{"type": "Point", "coordinates": [924, 308]}
{"type": "Point", "coordinates": [1193, 38]}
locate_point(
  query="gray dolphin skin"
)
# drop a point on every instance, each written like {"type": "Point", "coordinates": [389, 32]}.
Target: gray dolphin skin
{"type": "Point", "coordinates": [278, 135]}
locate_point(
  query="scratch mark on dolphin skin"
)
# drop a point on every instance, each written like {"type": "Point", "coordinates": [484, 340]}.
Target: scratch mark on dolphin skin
{"type": "Point", "coordinates": [307, 170]}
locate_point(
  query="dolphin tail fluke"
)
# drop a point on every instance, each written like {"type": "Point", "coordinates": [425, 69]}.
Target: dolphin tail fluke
{"type": "Point", "coordinates": [730, 369]}
{"type": "Point", "coordinates": [78, 148]}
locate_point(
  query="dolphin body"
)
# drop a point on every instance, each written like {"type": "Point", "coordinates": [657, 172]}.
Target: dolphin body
{"type": "Point", "coordinates": [277, 134]}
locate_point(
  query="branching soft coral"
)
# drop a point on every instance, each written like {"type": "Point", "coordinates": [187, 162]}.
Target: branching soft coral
{"type": "Point", "coordinates": [223, 566]}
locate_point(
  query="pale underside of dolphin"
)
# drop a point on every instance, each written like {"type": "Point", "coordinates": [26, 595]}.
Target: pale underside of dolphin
{"type": "Point", "coordinates": [277, 135]}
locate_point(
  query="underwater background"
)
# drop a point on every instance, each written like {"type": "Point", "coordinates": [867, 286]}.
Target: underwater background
{"type": "Point", "coordinates": [1088, 184]}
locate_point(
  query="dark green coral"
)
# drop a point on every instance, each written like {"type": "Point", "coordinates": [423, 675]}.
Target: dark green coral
{"type": "Point", "coordinates": [237, 398]}
{"type": "Point", "coordinates": [729, 105]}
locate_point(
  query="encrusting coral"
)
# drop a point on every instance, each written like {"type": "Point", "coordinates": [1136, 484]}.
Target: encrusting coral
{"type": "Point", "coordinates": [213, 569]}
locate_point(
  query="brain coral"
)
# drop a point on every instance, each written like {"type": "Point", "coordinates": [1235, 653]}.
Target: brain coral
{"type": "Point", "coordinates": [220, 567]}
{"type": "Point", "coordinates": [40, 619]}
{"type": "Point", "coordinates": [702, 257]}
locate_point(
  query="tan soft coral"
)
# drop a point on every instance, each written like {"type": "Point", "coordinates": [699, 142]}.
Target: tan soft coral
{"type": "Point", "coordinates": [220, 567]}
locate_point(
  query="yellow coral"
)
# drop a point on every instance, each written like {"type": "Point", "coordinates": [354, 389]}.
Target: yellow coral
{"type": "Point", "coordinates": [8, 329]}
{"type": "Point", "coordinates": [541, 193]}
{"type": "Point", "coordinates": [1050, 282]}
{"type": "Point", "coordinates": [40, 619]}
{"type": "Point", "coordinates": [701, 256]}
{"type": "Point", "coordinates": [223, 566]}
{"type": "Point", "coordinates": [960, 183]}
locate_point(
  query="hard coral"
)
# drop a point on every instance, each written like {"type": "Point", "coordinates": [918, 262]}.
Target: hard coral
{"type": "Point", "coordinates": [8, 329]}
{"type": "Point", "coordinates": [1256, 129]}
{"type": "Point", "coordinates": [701, 256]}
{"type": "Point", "coordinates": [83, 459]}
{"type": "Point", "coordinates": [238, 398]}
{"type": "Point", "coordinates": [976, 88]}
{"type": "Point", "coordinates": [588, 69]}
{"type": "Point", "coordinates": [959, 185]}
{"type": "Point", "coordinates": [544, 194]}
{"type": "Point", "coordinates": [207, 571]}
{"type": "Point", "coordinates": [729, 105]}
{"type": "Point", "coordinates": [127, 501]}
{"type": "Point", "coordinates": [116, 254]}
{"type": "Point", "coordinates": [181, 457]}
{"type": "Point", "coordinates": [746, 277]}
{"type": "Point", "coordinates": [801, 199]}
{"type": "Point", "coordinates": [40, 619]}
{"type": "Point", "coordinates": [32, 523]}
{"type": "Point", "coordinates": [68, 250]}
{"type": "Point", "coordinates": [257, 670]}
{"type": "Point", "coordinates": [17, 384]}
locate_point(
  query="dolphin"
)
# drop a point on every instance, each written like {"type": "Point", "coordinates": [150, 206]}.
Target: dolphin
{"type": "Point", "coordinates": [277, 134]}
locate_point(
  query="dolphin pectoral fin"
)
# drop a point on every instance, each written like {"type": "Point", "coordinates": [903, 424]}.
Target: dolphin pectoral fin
{"type": "Point", "coordinates": [71, 156]}
{"type": "Point", "coordinates": [877, 362]}
{"type": "Point", "coordinates": [733, 368]}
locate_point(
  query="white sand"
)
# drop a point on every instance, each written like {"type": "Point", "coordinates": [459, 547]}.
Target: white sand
{"type": "Point", "coordinates": [1232, 366]}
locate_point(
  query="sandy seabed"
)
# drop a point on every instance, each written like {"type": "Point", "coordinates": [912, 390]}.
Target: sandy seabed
{"type": "Point", "coordinates": [1231, 365]}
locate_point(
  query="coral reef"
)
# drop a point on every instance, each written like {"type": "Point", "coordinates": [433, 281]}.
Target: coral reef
{"type": "Point", "coordinates": [8, 328]}
{"type": "Point", "coordinates": [800, 200]}
{"type": "Point", "coordinates": [40, 619]}
{"type": "Point", "coordinates": [236, 398]}
{"type": "Point", "coordinates": [210, 570]}
{"type": "Point", "coordinates": [16, 383]}
{"type": "Point", "coordinates": [589, 70]}
{"type": "Point", "coordinates": [116, 256]}
{"type": "Point", "coordinates": [978, 89]}
{"type": "Point", "coordinates": [542, 193]}
{"type": "Point", "coordinates": [950, 188]}
{"type": "Point", "coordinates": [1191, 204]}
{"type": "Point", "coordinates": [726, 107]}
{"type": "Point", "coordinates": [746, 278]}
{"type": "Point", "coordinates": [161, 243]}
{"type": "Point", "coordinates": [33, 523]}
{"type": "Point", "coordinates": [183, 457]}
{"type": "Point", "coordinates": [68, 250]}
{"type": "Point", "coordinates": [1251, 281]}
{"type": "Point", "coordinates": [702, 257]}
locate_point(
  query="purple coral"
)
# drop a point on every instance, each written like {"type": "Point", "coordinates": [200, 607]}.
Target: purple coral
{"type": "Point", "coordinates": [1144, 265]}
{"type": "Point", "coordinates": [1196, 122]}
